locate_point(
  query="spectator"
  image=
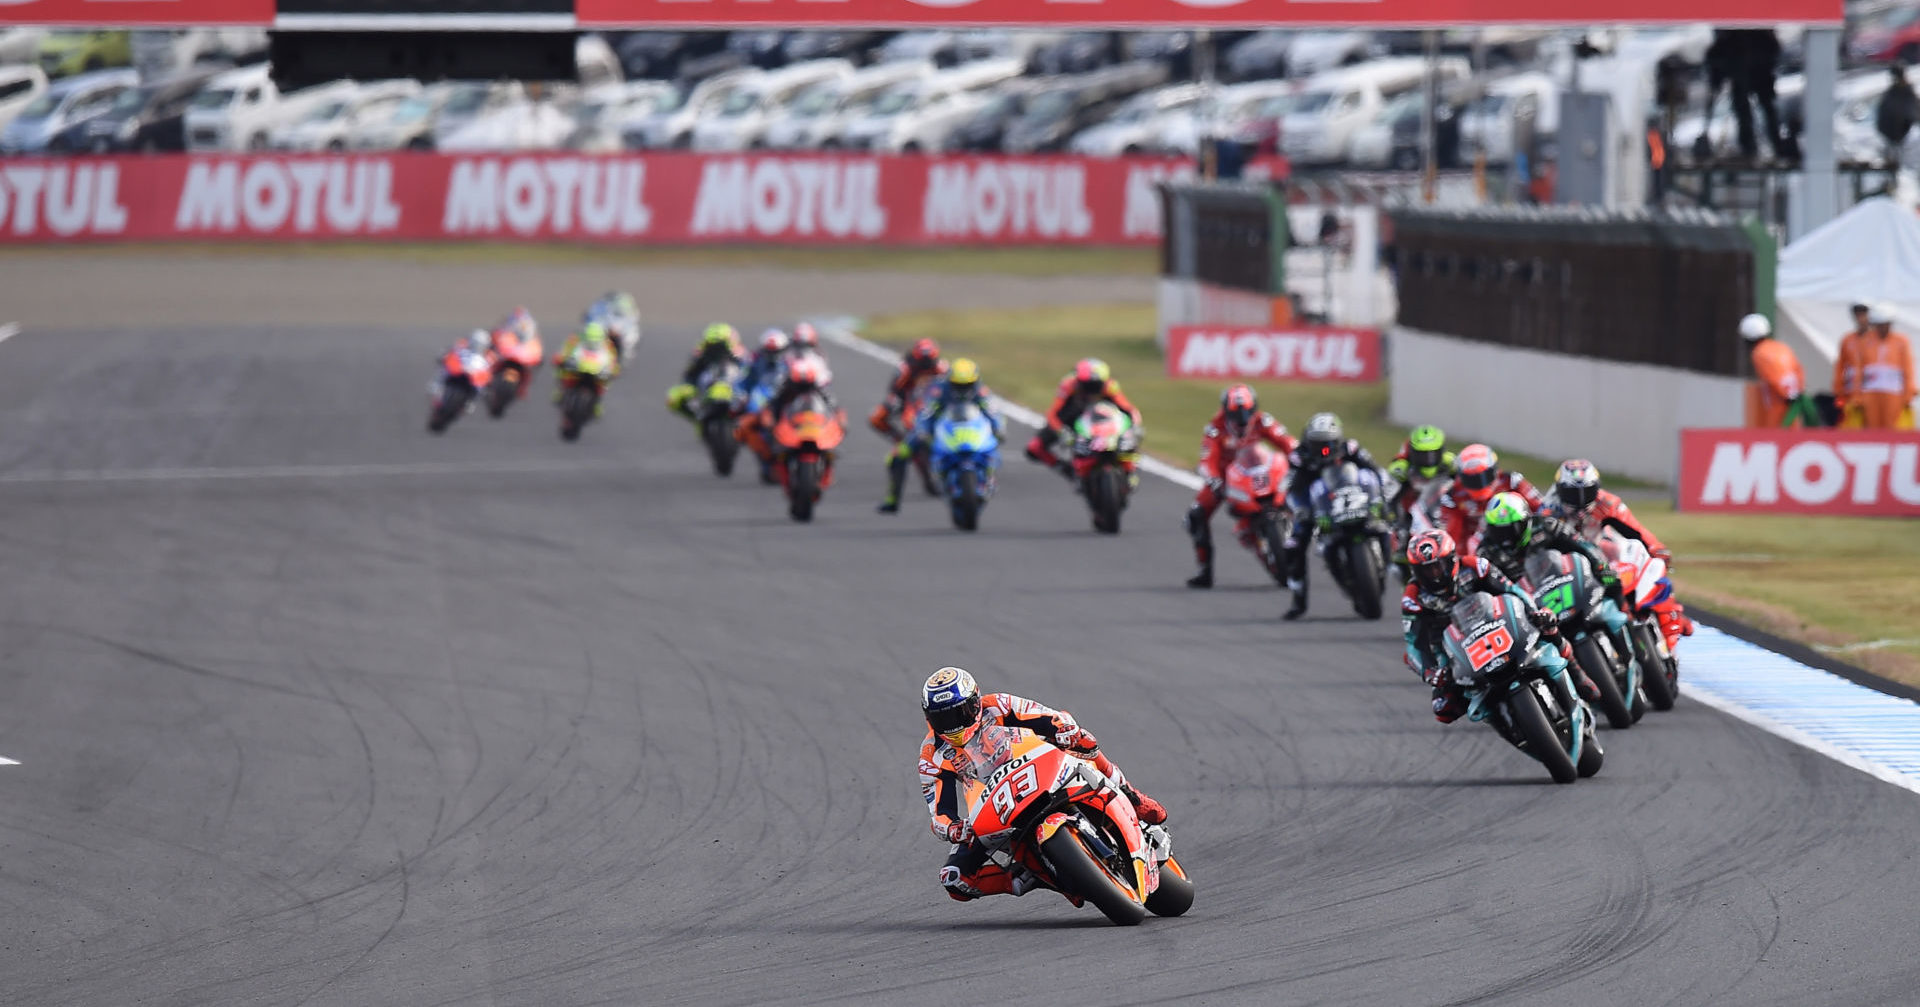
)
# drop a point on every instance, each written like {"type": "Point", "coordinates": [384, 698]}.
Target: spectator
{"type": "Point", "coordinates": [1899, 107]}
{"type": "Point", "coordinates": [1846, 370]}
{"type": "Point", "coordinates": [1746, 59]}
{"type": "Point", "coordinates": [1886, 373]}
{"type": "Point", "coordinates": [1776, 398]}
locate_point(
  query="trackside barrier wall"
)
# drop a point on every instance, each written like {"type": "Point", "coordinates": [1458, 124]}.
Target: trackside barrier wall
{"type": "Point", "coordinates": [629, 199]}
{"type": "Point", "coordinates": [1223, 261]}
{"type": "Point", "coordinates": [1623, 417]}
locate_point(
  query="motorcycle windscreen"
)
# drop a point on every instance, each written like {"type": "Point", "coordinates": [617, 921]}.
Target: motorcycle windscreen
{"type": "Point", "coordinates": [1480, 638]}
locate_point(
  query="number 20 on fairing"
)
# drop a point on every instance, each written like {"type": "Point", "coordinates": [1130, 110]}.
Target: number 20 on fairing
{"type": "Point", "coordinates": [1013, 790]}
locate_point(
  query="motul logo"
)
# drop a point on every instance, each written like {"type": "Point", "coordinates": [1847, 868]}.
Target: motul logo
{"type": "Point", "coordinates": [775, 197]}
{"type": "Point", "coordinates": [61, 201]}
{"type": "Point", "coordinates": [1297, 354]}
{"type": "Point", "coordinates": [1142, 218]}
{"type": "Point", "coordinates": [991, 199]}
{"type": "Point", "coordinates": [265, 196]}
{"type": "Point", "coordinates": [1813, 473]}
{"type": "Point", "coordinates": [555, 196]}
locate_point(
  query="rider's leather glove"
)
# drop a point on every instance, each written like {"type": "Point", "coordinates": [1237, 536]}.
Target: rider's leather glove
{"type": "Point", "coordinates": [1436, 677]}
{"type": "Point", "coordinates": [1545, 620]}
{"type": "Point", "coordinates": [957, 832]}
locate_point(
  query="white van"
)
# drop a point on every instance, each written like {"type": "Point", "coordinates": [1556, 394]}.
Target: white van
{"type": "Point", "coordinates": [670, 122]}
{"type": "Point", "coordinates": [19, 85]}
{"type": "Point", "coordinates": [920, 116]}
{"type": "Point", "coordinates": [741, 121]}
{"type": "Point", "coordinates": [1487, 125]}
{"type": "Point", "coordinates": [1319, 125]}
{"type": "Point", "coordinates": [329, 125]}
{"type": "Point", "coordinates": [817, 115]}
{"type": "Point", "coordinates": [239, 109]}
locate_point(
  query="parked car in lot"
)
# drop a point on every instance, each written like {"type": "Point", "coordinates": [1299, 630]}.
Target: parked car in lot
{"type": "Point", "coordinates": [815, 117]}
{"type": "Point", "coordinates": [67, 52]}
{"type": "Point", "coordinates": [150, 117]}
{"type": "Point", "coordinates": [1053, 115]}
{"type": "Point", "coordinates": [1392, 140]}
{"type": "Point", "coordinates": [801, 46]}
{"type": "Point", "coordinates": [1491, 121]}
{"type": "Point", "coordinates": [1891, 34]}
{"type": "Point", "coordinates": [601, 110]}
{"type": "Point", "coordinates": [542, 123]}
{"type": "Point", "coordinates": [921, 116]}
{"type": "Point", "coordinates": [331, 124]}
{"type": "Point", "coordinates": [1318, 127]}
{"type": "Point", "coordinates": [939, 47]}
{"type": "Point", "coordinates": [1315, 52]}
{"type": "Point", "coordinates": [474, 100]}
{"type": "Point", "coordinates": [64, 104]}
{"type": "Point", "coordinates": [741, 121]}
{"type": "Point", "coordinates": [1248, 113]}
{"type": "Point", "coordinates": [670, 122]}
{"type": "Point", "coordinates": [1260, 56]}
{"type": "Point", "coordinates": [1078, 52]}
{"type": "Point", "coordinates": [660, 55]}
{"type": "Point", "coordinates": [21, 45]}
{"type": "Point", "coordinates": [1136, 127]}
{"type": "Point", "coordinates": [159, 54]}
{"type": "Point", "coordinates": [238, 110]}
{"type": "Point", "coordinates": [986, 128]}
{"type": "Point", "coordinates": [408, 123]}
{"type": "Point", "coordinates": [19, 86]}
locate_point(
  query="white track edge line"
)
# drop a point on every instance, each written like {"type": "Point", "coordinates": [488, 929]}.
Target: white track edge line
{"type": "Point", "coordinates": [840, 330]}
{"type": "Point", "coordinates": [9, 330]}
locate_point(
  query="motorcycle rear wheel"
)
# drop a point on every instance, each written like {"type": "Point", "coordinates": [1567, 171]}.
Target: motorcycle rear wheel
{"type": "Point", "coordinates": [1363, 579]}
{"type": "Point", "coordinates": [1078, 872]}
{"type": "Point", "coordinates": [1543, 742]}
{"type": "Point", "coordinates": [718, 434]}
{"type": "Point", "coordinates": [1653, 667]}
{"type": "Point", "coordinates": [1175, 894]}
{"type": "Point", "coordinates": [966, 500]}
{"type": "Point", "coordinates": [1594, 662]}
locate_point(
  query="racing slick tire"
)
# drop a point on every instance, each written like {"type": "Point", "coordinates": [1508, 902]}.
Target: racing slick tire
{"type": "Point", "coordinates": [1175, 894]}
{"type": "Point", "coordinates": [1078, 872]}
{"type": "Point", "coordinates": [1543, 742]}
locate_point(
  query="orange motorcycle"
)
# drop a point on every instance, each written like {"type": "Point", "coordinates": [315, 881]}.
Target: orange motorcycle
{"type": "Point", "coordinates": [805, 438]}
{"type": "Point", "coordinates": [463, 373]}
{"type": "Point", "coordinates": [513, 369]}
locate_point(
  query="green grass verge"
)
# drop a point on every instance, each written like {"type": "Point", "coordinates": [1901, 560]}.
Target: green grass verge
{"type": "Point", "coordinates": [1036, 261]}
{"type": "Point", "coordinates": [1829, 582]}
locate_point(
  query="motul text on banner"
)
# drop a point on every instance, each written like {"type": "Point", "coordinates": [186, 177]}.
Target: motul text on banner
{"type": "Point", "coordinates": [1863, 472]}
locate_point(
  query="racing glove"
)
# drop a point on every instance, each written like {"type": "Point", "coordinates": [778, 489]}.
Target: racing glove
{"type": "Point", "coordinates": [1077, 740]}
{"type": "Point", "coordinates": [953, 831]}
{"type": "Point", "coordinates": [1436, 677]}
{"type": "Point", "coordinates": [1545, 621]}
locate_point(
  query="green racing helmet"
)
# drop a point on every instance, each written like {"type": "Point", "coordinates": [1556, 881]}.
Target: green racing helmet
{"type": "Point", "coordinates": [1509, 524]}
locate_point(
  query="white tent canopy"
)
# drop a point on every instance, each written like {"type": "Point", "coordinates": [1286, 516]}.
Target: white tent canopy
{"type": "Point", "coordinates": [1870, 253]}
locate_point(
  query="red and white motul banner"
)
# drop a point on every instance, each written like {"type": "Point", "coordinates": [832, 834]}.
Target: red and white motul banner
{"type": "Point", "coordinates": [1292, 353]}
{"type": "Point", "coordinates": [138, 13]}
{"type": "Point", "coordinates": [657, 198]}
{"type": "Point", "coordinates": [1865, 472]}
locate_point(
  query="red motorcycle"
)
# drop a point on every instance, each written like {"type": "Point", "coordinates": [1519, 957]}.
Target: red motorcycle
{"type": "Point", "coordinates": [1258, 505]}
{"type": "Point", "coordinates": [804, 441]}
{"type": "Point", "coordinates": [463, 373]}
{"type": "Point", "coordinates": [1063, 820]}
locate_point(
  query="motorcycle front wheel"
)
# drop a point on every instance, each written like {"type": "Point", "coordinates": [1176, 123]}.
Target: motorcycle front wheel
{"type": "Point", "coordinates": [1543, 742]}
{"type": "Point", "coordinates": [803, 488]}
{"type": "Point", "coordinates": [966, 500]}
{"type": "Point", "coordinates": [453, 399]}
{"type": "Point", "coordinates": [1593, 661]}
{"type": "Point", "coordinates": [1363, 579]}
{"type": "Point", "coordinates": [1653, 667]}
{"type": "Point", "coordinates": [1079, 872]}
{"type": "Point", "coordinates": [1175, 894]}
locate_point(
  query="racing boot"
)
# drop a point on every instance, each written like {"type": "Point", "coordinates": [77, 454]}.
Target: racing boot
{"type": "Point", "coordinates": [896, 478]}
{"type": "Point", "coordinates": [1299, 607]}
{"type": "Point", "coordinates": [1150, 811]}
{"type": "Point", "coordinates": [1202, 535]}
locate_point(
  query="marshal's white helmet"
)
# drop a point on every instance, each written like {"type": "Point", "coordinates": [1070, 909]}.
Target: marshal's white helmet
{"type": "Point", "coordinates": [1756, 326]}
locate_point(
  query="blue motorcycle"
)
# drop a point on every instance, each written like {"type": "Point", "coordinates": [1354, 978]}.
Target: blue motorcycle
{"type": "Point", "coordinates": [966, 453]}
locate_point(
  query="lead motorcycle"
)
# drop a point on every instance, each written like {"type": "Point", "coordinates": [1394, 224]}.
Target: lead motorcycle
{"type": "Point", "coordinates": [1106, 449]}
{"type": "Point", "coordinates": [1063, 820]}
{"type": "Point", "coordinates": [1350, 511]}
{"type": "Point", "coordinates": [804, 442]}
{"type": "Point", "coordinates": [1499, 659]}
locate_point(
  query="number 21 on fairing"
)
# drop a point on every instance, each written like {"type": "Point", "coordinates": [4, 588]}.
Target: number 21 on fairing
{"type": "Point", "coordinates": [1013, 790]}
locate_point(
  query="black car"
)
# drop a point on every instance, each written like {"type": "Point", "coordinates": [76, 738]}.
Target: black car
{"type": "Point", "coordinates": [659, 55]}
{"type": "Point", "coordinates": [145, 118]}
{"type": "Point", "coordinates": [764, 49]}
{"type": "Point", "coordinates": [1078, 52]}
{"type": "Point", "coordinates": [988, 126]}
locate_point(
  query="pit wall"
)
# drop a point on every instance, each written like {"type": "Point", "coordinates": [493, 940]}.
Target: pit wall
{"type": "Point", "coordinates": [1625, 418]}
{"type": "Point", "coordinates": [663, 198]}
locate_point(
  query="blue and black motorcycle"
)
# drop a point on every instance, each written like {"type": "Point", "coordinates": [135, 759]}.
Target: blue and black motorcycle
{"type": "Point", "coordinates": [966, 453]}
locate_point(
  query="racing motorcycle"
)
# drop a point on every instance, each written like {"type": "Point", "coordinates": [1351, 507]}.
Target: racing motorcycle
{"type": "Point", "coordinates": [1495, 655]}
{"type": "Point", "coordinates": [516, 360]}
{"type": "Point", "coordinates": [804, 441]}
{"type": "Point", "coordinates": [1258, 505]}
{"type": "Point", "coordinates": [1106, 448]}
{"type": "Point", "coordinates": [1350, 512]}
{"type": "Point", "coordinates": [463, 372]}
{"type": "Point", "coordinates": [1060, 818]}
{"type": "Point", "coordinates": [754, 399]}
{"type": "Point", "coordinates": [713, 415]}
{"type": "Point", "coordinates": [1567, 585]}
{"type": "Point", "coordinates": [586, 374]}
{"type": "Point", "coordinates": [1640, 575]}
{"type": "Point", "coordinates": [966, 454]}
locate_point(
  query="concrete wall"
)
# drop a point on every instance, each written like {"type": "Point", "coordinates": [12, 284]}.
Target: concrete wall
{"type": "Point", "coordinates": [1625, 418]}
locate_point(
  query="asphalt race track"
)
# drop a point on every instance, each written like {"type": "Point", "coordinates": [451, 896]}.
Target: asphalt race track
{"type": "Point", "coordinates": [313, 707]}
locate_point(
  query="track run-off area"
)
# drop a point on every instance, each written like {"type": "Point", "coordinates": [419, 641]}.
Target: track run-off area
{"type": "Point", "coordinates": [313, 707]}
